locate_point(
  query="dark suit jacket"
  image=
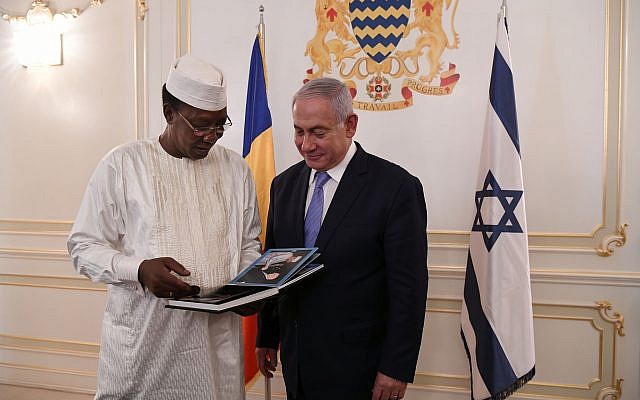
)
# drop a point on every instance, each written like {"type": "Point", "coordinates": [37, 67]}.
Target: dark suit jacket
{"type": "Point", "coordinates": [365, 312]}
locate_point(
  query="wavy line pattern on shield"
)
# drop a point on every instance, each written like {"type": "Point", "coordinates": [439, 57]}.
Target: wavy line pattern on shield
{"type": "Point", "coordinates": [379, 25]}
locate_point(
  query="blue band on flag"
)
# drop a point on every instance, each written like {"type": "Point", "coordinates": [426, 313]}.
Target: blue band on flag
{"type": "Point", "coordinates": [503, 98]}
{"type": "Point", "coordinates": [466, 350]}
{"type": "Point", "coordinates": [257, 118]}
{"type": "Point", "coordinates": [493, 365]}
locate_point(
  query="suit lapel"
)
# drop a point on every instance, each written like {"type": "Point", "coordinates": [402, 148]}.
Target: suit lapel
{"type": "Point", "coordinates": [351, 184]}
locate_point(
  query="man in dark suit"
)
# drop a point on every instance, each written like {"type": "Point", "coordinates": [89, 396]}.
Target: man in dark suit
{"type": "Point", "coordinates": [354, 330]}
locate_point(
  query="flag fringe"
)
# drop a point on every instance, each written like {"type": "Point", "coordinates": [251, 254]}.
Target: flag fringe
{"type": "Point", "coordinates": [520, 382]}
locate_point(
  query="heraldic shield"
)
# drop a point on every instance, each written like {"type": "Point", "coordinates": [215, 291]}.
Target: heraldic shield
{"type": "Point", "coordinates": [379, 25]}
{"type": "Point", "coordinates": [386, 50]}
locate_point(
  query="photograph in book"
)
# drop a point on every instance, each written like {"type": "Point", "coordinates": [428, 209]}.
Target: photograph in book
{"type": "Point", "coordinates": [274, 267]}
{"type": "Point", "coordinates": [229, 297]}
{"type": "Point", "coordinates": [275, 270]}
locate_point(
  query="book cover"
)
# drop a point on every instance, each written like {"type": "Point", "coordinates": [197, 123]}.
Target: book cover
{"type": "Point", "coordinates": [264, 278]}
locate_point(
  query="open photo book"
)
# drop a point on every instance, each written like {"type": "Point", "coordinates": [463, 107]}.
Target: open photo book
{"type": "Point", "coordinates": [275, 270]}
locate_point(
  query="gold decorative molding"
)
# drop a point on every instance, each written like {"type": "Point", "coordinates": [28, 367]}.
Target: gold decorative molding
{"type": "Point", "coordinates": [140, 68]}
{"type": "Point", "coordinates": [619, 239]}
{"type": "Point", "coordinates": [51, 282]}
{"type": "Point", "coordinates": [56, 388]}
{"type": "Point", "coordinates": [34, 254]}
{"type": "Point", "coordinates": [560, 276]}
{"type": "Point", "coordinates": [142, 9]}
{"type": "Point", "coordinates": [35, 227]}
{"type": "Point", "coordinates": [53, 346]}
{"type": "Point", "coordinates": [614, 317]}
{"type": "Point", "coordinates": [611, 393]}
{"type": "Point", "coordinates": [63, 371]}
{"type": "Point", "coordinates": [183, 27]}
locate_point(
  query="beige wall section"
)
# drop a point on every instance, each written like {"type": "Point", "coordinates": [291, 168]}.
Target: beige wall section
{"type": "Point", "coordinates": [58, 122]}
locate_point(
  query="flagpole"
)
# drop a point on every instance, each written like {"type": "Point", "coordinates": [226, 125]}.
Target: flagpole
{"type": "Point", "coordinates": [261, 33]}
{"type": "Point", "coordinates": [503, 9]}
{"type": "Point", "coordinates": [261, 29]}
{"type": "Point", "coordinates": [261, 26]}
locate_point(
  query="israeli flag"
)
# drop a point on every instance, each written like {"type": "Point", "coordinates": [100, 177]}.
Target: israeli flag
{"type": "Point", "coordinates": [497, 318]}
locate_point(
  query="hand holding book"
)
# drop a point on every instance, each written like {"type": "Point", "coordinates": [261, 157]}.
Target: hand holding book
{"type": "Point", "coordinates": [155, 274]}
{"type": "Point", "coordinates": [264, 278]}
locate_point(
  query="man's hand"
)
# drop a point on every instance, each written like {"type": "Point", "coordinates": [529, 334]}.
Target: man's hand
{"type": "Point", "coordinates": [267, 360]}
{"type": "Point", "coordinates": [387, 388]}
{"type": "Point", "coordinates": [156, 275]}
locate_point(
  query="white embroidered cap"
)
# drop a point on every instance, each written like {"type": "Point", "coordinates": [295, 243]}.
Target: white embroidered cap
{"type": "Point", "coordinates": [197, 83]}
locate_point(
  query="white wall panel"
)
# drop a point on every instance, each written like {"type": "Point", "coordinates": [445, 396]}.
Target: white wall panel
{"type": "Point", "coordinates": [57, 123]}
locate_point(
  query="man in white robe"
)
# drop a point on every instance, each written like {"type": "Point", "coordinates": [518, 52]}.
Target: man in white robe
{"type": "Point", "coordinates": [161, 208]}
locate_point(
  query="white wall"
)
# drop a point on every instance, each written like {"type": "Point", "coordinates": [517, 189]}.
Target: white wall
{"type": "Point", "coordinates": [58, 122]}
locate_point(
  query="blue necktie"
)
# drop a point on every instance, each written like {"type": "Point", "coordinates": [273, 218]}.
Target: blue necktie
{"type": "Point", "coordinates": [313, 220]}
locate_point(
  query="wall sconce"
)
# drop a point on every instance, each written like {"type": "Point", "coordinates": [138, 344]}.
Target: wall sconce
{"type": "Point", "coordinates": [38, 34]}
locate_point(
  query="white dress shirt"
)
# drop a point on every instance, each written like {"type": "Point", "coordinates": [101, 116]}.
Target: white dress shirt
{"type": "Point", "coordinates": [331, 186]}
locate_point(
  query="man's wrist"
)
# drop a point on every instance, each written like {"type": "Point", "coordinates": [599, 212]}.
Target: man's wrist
{"type": "Point", "coordinates": [126, 268]}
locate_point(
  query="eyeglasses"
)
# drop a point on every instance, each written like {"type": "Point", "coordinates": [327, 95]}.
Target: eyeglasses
{"type": "Point", "coordinates": [217, 129]}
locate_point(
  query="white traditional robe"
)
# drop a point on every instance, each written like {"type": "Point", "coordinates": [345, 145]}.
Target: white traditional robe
{"type": "Point", "coordinates": [143, 203]}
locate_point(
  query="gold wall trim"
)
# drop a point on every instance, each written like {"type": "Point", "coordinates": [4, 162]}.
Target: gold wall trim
{"type": "Point", "coordinates": [63, 343]}
{"type": "Point", "coordinates": [140, 68]}
{"type": "Point", "coordinates": [39, 228]}
{"type": "Point", "coordinates": [611, 393]}
{"type": "Point", "coordinates": [34, 254]}
{"type": "Point", "coordinates": [35, 227]}
{"type": "Point", "coordinates": [52, 346]}
{"type": "Point", "coordinates": [183, 27]}
{"type": "Point", "coordinates": [618, 239]}
{"type": "Point", "coordinates": [49, 351]}
{"type": "Point", "coordinates": [556, 276]}
{"type": "Point", "coordinates": [56, 388]}
{"type": "Point", "coordinates": [62, 371]}
{"type": "Point", "coordinates": [608, 324]}
{"type": "Point", "coordinates": [51, 282]}
{"type": "Point", "coordinates": [142, 10]}
{"type": "Point", "coordinates": [608, 314]}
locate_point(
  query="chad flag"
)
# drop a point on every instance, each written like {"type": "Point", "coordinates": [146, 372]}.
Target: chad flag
{"type": "Point", "coordinates": [258, 151]}
{"type": "Point", "coordinates": [258, 141]}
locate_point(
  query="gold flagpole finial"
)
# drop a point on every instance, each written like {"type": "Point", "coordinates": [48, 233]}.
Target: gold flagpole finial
{"type": "Point", "coordinates": [261, 24]}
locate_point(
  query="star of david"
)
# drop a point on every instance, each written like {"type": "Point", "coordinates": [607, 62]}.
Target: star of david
{"type": "Point", "coordinates": [508, 223]}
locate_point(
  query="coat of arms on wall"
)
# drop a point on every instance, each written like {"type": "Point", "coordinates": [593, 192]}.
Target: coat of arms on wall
{"type": "Point", "coordinates": [385, 50]}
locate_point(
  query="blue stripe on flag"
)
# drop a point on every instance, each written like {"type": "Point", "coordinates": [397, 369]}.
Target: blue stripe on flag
{"type": "Point", "coordinates": [257, 118]}
{"type": "Point", "coordinates": [493, 364]}
{"type": "Point", "coordinates": [466, 350]}
{"type": "Point", "coordinates": [502, 96]}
